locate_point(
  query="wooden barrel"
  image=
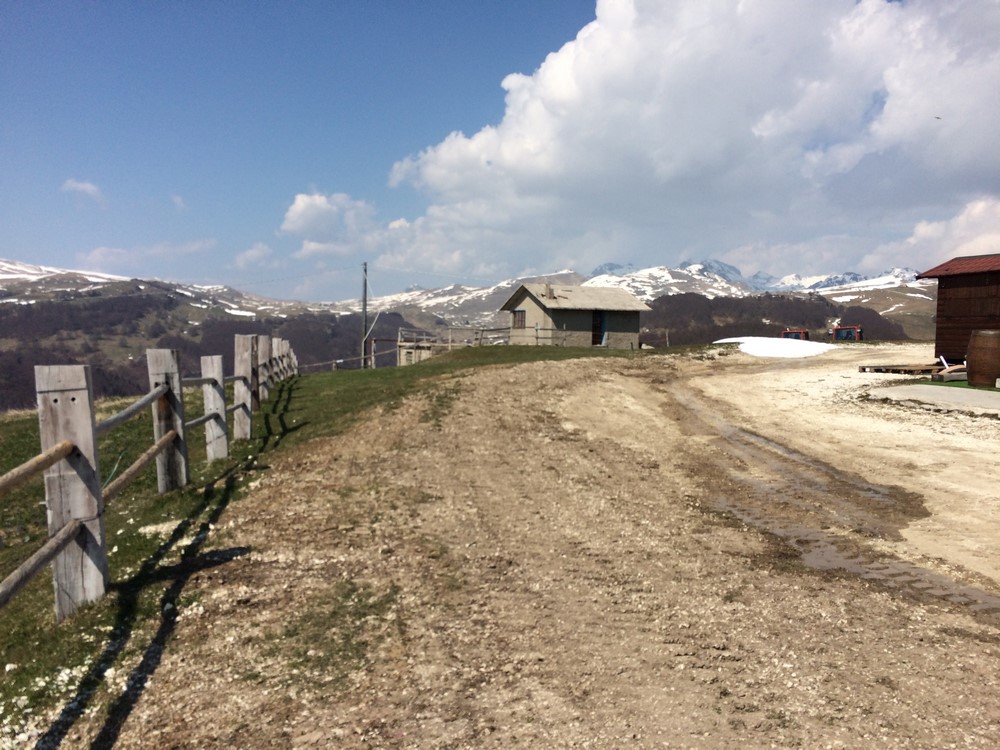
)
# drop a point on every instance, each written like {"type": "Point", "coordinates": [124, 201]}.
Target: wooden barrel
{"type": "Point", "coordinates": [983, 358]}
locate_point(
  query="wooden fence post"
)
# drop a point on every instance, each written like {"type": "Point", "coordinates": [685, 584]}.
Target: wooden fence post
{"type": "Point", "coordinates": [168, 414]}
{"type": "Point", "coordinates": [245, 388]}
{"type": "Point", "coordinates": [216, 434]}
{"type": "Point", "coordinates": [73, 485]}
{"type": "Point", "coordinates": [263, 365]}
{"type": "Point", "coordinates": [276, 358]}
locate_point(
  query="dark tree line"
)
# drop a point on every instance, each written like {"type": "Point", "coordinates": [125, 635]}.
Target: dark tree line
{"type": "Point", "coordinates": [694, 319]}
{"type": "Point", "coordinates": [110, 377]}
{"type": "Point", "coordinates": [62, 338]}
{"type": "Point", "coordinates": [101, 316]}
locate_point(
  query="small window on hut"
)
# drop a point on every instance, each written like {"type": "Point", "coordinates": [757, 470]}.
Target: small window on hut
{"type": "Point", "coordinates": [518, 319]}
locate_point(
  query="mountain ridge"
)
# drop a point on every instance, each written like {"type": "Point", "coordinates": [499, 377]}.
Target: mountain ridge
{"type": "Point", "coordinates": [896, 291]}
{"type": "Point", "coordinates": [54, 316]}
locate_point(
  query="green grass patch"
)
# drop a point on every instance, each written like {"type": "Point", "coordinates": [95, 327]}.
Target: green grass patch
{"type": "Point", "coordinates": [334, 635]}
{"type": "Point", "coordinates": [962, 384]}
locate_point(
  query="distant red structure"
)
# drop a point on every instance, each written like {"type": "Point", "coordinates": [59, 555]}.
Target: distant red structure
{"type": "Point", "coordinates": [847, 333]}
{"type": "Point", "coordinates": [795, 333]}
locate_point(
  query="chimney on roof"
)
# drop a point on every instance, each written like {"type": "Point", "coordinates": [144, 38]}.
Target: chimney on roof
{"type": "Point", "coordinates": [548, 291]}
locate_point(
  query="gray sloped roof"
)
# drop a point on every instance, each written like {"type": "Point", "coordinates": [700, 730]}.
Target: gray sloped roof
{"type": "Point", "coordinates": [561, 297]}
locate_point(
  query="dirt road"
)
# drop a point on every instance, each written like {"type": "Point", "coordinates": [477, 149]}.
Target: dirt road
{"type": "Point", "coordinates": [658, 552]}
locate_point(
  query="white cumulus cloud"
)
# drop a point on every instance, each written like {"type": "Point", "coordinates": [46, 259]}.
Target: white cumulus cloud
{"type": "Point", "coordinates": [974, 231]}
{"type": "Point", "coordinates": [87, 189]}
{"type": "Point", "coordinates": [320, 216]}
{"type": "Point", "coordinates": [812, 130]}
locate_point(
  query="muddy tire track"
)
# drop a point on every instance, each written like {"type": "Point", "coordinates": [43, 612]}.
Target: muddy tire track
{"type": "Point", "coordinates": [824, 512]}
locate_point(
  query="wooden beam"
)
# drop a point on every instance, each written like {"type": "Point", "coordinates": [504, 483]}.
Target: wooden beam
{"type": "Point", "coordinates": [168, 414]}
{"type": "Point", "coordinates": [214, 394]}
{"type": "Point", "coordinates": [73, 485]}
{"type": "Point", "coordinates": [244, 387]}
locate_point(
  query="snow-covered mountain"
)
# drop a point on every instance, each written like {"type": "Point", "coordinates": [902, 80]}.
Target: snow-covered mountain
{"type": "Point", "coordinates": [14, 271]}
{"type": "Point", "coordinates": [458, 304]}
{"type": "Point", "coordinates": [26, 284]}
{"type": "Point", "coordinates": [709, 278]}
{"type": "Point", "coordinates": [712, 278]}
{"type": "Point", "coordinates": [613, 269]}
{"type": "Point", "coordinates": [466, 305]}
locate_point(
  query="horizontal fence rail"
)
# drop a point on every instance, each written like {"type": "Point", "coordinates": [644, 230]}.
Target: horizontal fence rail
{"type": "Point", "coordinates": [34, 564]}
{"type": "Point", "coordinates": [138, 465]}
{"type": "Point", "coordinates": [75, 500]}
{"type": "Point", "coordinates": [21, 474]}
{"type": "Point", "coordinates": [199, 421]}
{"type": "Point", "coordinates": [130, 411]}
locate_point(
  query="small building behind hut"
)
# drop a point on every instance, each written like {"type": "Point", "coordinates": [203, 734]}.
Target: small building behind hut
{"type": "Point", "coordinates": [968, 300]}
{"type": "Point", "coordinates": [556, 315]}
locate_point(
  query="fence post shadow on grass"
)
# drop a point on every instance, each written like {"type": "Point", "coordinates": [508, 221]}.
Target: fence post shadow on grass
{"type": "Point", "coordinates": [192, 561]}
{"type": "Point", "coordinates": [278, 412]}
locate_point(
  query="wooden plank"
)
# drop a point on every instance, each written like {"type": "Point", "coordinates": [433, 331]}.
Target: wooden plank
{"type": "Point", "coordinates": [214, 394]}
{"type": "Point", "coordinates": [168, 414]}
{"type": "Point", "coordinates": [244, 388]}
{"type": "Point", "coordinates": [73, 485]}
{"type": "Point", "coordinates": [903, 369]}
{"type": "Point", "coordinates": [263, 366]}
{"type": "Point", "coordinates": [277, 359]}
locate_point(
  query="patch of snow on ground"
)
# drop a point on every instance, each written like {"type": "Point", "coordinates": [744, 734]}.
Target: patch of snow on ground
{"type": "Point", "coordinates": [845, 298]}
{"type": "Point", "coordinates": [246, 313]}
{"type": "Point", "coordinates": [762, 346]}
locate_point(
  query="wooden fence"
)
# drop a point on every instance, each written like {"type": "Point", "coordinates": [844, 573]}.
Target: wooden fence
{"type": "Point", "coordinates": [74, 498]}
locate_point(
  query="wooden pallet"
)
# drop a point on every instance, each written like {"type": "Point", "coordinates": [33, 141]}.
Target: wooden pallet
{"type": "Point", "coordinates": [904, 369]}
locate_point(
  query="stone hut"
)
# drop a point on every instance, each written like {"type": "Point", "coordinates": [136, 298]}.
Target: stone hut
{"type": "Point", "coordinates": [557, 315]}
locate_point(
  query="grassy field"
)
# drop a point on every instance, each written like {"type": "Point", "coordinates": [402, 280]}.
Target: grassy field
{"type": "Point", "coordinates": [45, 664]}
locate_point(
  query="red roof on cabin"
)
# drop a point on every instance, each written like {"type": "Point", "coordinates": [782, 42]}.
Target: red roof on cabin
{"type": "Point", "coordinates": [967, 264]}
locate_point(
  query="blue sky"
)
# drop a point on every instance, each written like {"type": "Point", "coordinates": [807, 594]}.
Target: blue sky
{"type": "Point", "coordinates": [276, 146]}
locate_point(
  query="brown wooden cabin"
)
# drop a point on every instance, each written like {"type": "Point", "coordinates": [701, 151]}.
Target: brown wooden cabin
{"type": "Point", "coordinates": [968, 300]}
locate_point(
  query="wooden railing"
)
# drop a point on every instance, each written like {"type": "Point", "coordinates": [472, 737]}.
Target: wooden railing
{"type": "Point", "coordinates": [74, 497]}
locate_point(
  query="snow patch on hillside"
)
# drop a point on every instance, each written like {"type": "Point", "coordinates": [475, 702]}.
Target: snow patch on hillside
{"type": "Point", "coordinates": [762, 346]}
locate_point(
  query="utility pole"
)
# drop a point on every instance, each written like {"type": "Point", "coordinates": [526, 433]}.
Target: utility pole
{"type": "Point", "coordinates": [364, 317]}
